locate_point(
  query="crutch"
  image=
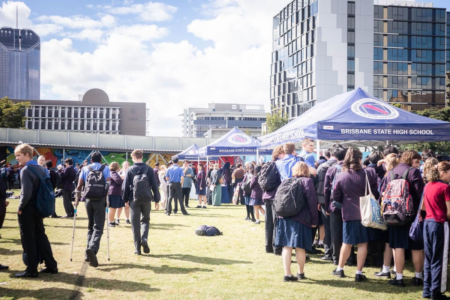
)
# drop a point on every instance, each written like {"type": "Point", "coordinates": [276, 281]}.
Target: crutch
{"type": "Point", "coordinates": [77, 199]}
{"type": "Point", "coordinates": [107, 222]}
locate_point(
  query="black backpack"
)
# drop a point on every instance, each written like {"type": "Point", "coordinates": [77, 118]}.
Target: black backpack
{"type": "Point", "coordinates": [141, 185]}
{"type": "Point", "coordinates": [95, 186]}
{"type": "Point", "coordinates": [289, 199]}
{"type": "Point", "coordinates": [321, 173]}
{"type": "Point", "coordinates": [45, 196]}
{"type": "Point", "coordinates": [59, 181]}
{"type": "Point", "coordinates": [246, 184]}
{"type": "Point", "coordinates": [269, 177]}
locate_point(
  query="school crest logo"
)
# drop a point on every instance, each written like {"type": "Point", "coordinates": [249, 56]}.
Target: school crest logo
{"type": "Point", "coordinates": [239, 139]}
{"type": "Point", "coordinates": [373, 109]}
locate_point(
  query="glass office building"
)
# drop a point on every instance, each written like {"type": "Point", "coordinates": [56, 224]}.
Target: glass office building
{"type": "Point", "coordinates": [396, 50]}
{"type": "Point", "coordinates": [20, 64]}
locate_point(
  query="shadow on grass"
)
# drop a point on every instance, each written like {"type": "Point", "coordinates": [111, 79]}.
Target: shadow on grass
{"type": "Point", "coordinates": [96, 283]}
{"type": "Point", "coordinates": [165, 226]}
{"type": "Point", "coordinates": [158, 270]}
{"type": "Point", "coordinates": [10, 252]}
{"type": "Point", "coordinates": [371, 285]}
{"type": "Point", "coordinates": [202, 260]}
{"type": "Point", "coordinates": [45, 293]}
{"type": "Point", "coordinates": [210, 216]}
{"type": "Point", "coordinates": [19, 242]}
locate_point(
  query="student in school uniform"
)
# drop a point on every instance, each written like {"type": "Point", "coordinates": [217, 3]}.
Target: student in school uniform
{"type": "Point", "coordinates": [349, 187]}
{"type": "Point", "coordinates": [436, 201]}
{"type": "Point", "coordinates": [399, 235]}
{"type": "Point", "coordinates": [295, 232]}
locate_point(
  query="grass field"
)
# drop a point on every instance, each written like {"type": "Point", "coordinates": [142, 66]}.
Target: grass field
{"type": "Point", "coordinates": [180, 265]}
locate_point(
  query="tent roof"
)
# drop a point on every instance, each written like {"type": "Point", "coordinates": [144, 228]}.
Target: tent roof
{"type": "Point", "coordinates": [358, 116]}
{"type": "Point", "coordinates": [235, 142]}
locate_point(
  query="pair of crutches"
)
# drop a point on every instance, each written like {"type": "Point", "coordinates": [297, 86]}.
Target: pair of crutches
{"type": "Point", "coordinates": [77, 200]}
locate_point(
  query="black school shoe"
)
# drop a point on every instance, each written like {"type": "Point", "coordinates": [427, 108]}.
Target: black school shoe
{"type": "Point", "coordinates": [301, 276]}
{"type": "Point", "coordinates": [417, 281]}
{"type": "Point", "coordinates": [49, 271]}
{"type": "Point", "coordinates": [93, 262]}
{"type": "Point", "coordinates": [26, 274]}
{"type": "Point", "coordinates": [360, 278]}
{"type": "Point", "coordinates": [439, 297]}
{"type": "Point", "coordinates": [290, 278]}
{"type": "Point", "coordinates": [383, 274]}
{"type": "Point", "coordinates": [339, 274]}
{"type": "Point", "coordinates": [397, 282]}
{"type": "Point", "coordinates": [145, 246]}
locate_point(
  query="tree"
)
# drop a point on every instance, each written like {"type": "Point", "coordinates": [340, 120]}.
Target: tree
{"type": "Point", "coordinates": [438, 147]}
{"type": "Point", "coordinates": [12, 115]}
{"type": "Point", "coordinates": [275, 121]}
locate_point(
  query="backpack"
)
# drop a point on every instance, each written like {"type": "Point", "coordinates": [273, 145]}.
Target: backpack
{"type": "Point", "coordinates": [289, 199]}
{"type": "Point", "coordinates": [336, 204]}
{"type": "Point", "coordinates": [269, 177]}
{"type": "Point", "coordinates": [45, 196]}
{"type": "Point", "coordinates": [59, 182]}
{"type": "Point", "coordinates": [321, 173]}
{"type": "Point", "coordinates": [398, 208]}
{"type": "Point", "coordinates": [141, 185]}
{"type": "Point", "coordinates": [95, 187]}
{"type": "Point", "coordinates": [205, 230]}
{"type": "Point", "coordinates": [246, 185]}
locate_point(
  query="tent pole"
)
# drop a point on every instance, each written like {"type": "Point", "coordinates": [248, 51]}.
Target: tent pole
{"type": "Point", "coordinates": [257, 156]}
{"type": "Point", "coordinates": [318, 149]}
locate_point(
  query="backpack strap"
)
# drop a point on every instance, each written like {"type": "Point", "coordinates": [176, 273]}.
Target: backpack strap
{"type": "Point", "coordinates": [35, 172]}
{"type": "Point", "coordinates": [102, 168]}
{"type": "Point", "coordinates": [405, 175]}
{"type": "Point", "coordinates": [90, 169]}
{"type": "Point", "coordinates": [392, 175]}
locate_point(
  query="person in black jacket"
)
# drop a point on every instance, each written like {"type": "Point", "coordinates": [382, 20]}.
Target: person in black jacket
{"type": "Point", "coordinates": [67, 175]}
{"type": "Point", "coordinates": [32, 232]}
{"type": "Point", "coordinates": [53, 175]}
{"type": "Point", "coordinates": [3, 205]}
{"type": "Point", "coordinates": [139, 209]}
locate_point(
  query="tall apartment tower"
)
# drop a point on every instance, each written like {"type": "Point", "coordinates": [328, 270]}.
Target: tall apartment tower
{"type": "Point", "coordinates": [394, 50]}
{"type": "Point", "coordinates": [20, 63]}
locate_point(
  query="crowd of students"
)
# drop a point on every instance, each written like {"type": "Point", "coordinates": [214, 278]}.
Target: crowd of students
{"type": "Point", "coordinates": [331, 188]}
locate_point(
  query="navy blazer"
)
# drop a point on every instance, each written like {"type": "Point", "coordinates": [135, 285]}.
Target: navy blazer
{"type": "Point", "coordinates": [68, 176]}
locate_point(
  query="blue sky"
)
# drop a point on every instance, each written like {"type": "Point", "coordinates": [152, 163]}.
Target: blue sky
{"type": "Point", "coordinates": [170, 54]}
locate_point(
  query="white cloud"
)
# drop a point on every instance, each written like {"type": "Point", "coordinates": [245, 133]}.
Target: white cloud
{"type": "Point", "coordinates": [8, 14]}
{"type": "Point", "coordinates": [150, 11]}
{"type": "Point", "coordinates": [141, 32]}
{"type": "Point", "coordinates": [79, 22]}
{"type": "Point", "coordinates": [46, 29]}
{"type": "Point", "coordinates": [94, 35]}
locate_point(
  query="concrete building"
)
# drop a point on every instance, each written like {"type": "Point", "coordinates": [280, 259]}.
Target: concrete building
{"type": "Point", "coordinates": [395, 50]}
{"type": "Point", "coordinates": [93, 114]}
{"type": "Point", "coordinates": [20, 63]}
{"type": "Point", "coordinates": [197, 121]}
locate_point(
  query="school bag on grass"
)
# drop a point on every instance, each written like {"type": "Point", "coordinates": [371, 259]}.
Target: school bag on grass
{"type": "Point", "coordinates": [398, 206]}
{"type": "Point", "coordinates": [205, 230]}
{"type": "Point", "coordinates": [289, 199]}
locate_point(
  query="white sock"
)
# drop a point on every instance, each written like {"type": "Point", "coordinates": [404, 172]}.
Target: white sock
{"type": "Point", "coordinates": [385, 269]}
{"type": "Point", "coordinates": [320, 242]}
{"type": "Point", "coordinates": [339, 269]}
{"type": "Point", "coordinates": [419, 275]}
{"type": "Point", "coordinates": [399, 276]}
{"type": "Point", "coordinates": [395, 269]}
{"type": "Point", "coordinates": [359, 273]}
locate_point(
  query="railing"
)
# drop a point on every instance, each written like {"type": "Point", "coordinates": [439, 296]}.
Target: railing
{"type": "Point", "coordinates": [403, 3]}
{"type": "Point", "coordinates": [89, 140]}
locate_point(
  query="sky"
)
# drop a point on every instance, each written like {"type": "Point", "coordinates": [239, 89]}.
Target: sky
{"type": "Point", "coordinates": [170, 54]}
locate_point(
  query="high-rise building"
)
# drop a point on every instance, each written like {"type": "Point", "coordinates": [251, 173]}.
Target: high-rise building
{"type": "Point", "coordinates": [395, 50]}
{"type": "Point", "coordinates": [248, 117]}
{"type": "Point", "coordinates": [20, 63]}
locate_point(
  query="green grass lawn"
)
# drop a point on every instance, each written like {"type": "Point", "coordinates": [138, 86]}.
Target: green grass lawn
{"type": "Point", "coordinates": [181, 265]}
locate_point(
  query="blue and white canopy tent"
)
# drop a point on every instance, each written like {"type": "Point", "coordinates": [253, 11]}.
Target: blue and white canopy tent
{"type": "Point", "coordinates": [193, 153]}
{"type": "Point", "coordinates": [234, 143]}
{"type": "Point", "coordinates": [360, 119]}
